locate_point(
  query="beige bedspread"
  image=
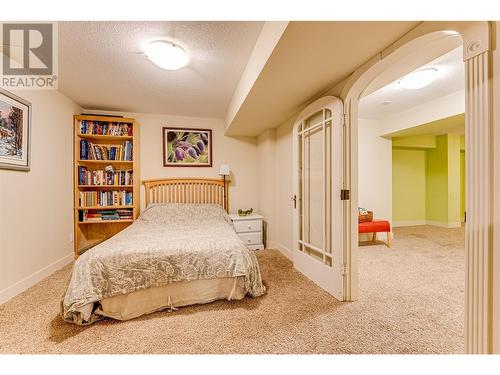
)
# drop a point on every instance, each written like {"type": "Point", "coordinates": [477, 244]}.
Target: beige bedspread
{"type": "Point", "coordinates": [168, 243]}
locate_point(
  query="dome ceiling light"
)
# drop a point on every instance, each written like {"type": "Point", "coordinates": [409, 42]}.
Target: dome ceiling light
{"type": "Point", "coordinates": [418, 79]}
{"type": "Point", "coordinates": [167, 55]}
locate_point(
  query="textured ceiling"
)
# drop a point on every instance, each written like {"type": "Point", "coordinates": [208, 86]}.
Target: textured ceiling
{"type": "Point", "coordinates": [450, 79]}
{"type": "Point", "coordinates": [101, 65]}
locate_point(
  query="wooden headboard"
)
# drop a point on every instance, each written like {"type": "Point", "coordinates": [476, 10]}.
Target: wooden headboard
{"type": "Point", "coordinates": [187, 190]}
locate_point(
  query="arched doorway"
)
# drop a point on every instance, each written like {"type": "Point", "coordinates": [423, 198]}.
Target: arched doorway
{"type": "Point", "coordinates": [479, 180]}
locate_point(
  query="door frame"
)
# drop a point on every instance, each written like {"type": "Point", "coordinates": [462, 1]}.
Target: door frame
{"type": "Point", "coordinates": [336, 106]}
{"type": "Point", "coordinates": [477, 47]}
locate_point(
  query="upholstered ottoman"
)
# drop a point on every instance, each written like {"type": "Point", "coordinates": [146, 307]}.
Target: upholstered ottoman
{"type": "Point", "coordinates": [375, 227]}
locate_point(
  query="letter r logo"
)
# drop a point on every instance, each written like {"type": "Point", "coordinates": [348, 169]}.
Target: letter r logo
{"type": "Point", "coordinates": [28, 49]}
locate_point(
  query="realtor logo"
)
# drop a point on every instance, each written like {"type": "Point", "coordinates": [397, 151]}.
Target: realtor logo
{"type": "Point", "coordinates": [29, 56]}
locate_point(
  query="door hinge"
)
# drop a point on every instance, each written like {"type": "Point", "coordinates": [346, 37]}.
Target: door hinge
{"type": "Point", "coordinates": [344, 194]}
{"type": "Point", "coordinates": [344, 269]}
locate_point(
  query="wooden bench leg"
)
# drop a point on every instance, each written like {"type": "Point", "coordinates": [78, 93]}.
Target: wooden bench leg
{"type": "Point", "coordinates": [389, 239]}
{"type": "Point", "coordinates": [374, 237]}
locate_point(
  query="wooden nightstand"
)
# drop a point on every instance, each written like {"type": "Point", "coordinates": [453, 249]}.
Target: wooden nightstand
{"type": "Point", "coordinates": [249, 229]}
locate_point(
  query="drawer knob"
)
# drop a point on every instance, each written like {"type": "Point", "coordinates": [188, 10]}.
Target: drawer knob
{"type": "Point", "coordinates": [249, 240]}
{"type": "Point", "coordinates": [249, 227]}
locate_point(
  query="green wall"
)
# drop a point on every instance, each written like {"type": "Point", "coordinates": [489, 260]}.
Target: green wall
{"type": "Point", "coordinates": [437, 181]}
{"type": "Point", "coordinates": [454, 185]}
{"type": "Point", "coordinates": [428, 179]}
{"type": "Point", "coordinates": [408, 185]}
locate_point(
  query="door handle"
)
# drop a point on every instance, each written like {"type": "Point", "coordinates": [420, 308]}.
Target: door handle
{"type": "Point", "coordinates": [294, 199]}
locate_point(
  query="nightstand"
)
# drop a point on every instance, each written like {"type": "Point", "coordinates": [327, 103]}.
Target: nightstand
{"type": "Point", "coordinates": [249, 229]}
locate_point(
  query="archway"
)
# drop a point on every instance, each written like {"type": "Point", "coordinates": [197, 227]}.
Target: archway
{"type": "Point", "coordinates": [479, 179]}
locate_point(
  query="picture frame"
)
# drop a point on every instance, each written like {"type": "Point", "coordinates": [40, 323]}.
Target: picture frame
{"type": "Point", "coordinates": [15, 132]}
{"type": "Point", "coordinates": [187, 147]}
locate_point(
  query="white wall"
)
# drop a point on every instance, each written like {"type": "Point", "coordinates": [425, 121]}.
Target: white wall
{"type": "Point", "coordinates": [266, 144]}
{"type": "Point", "coordinates": [36, 207]}
{"type": "Point", "coordinates": [276, 186]}
{"type": "Point", "coordinates": [239, 152]}
{"type": "Point", "coordinates": [374, 170]}
{"type": "Point", "coordinates": [284, 187]}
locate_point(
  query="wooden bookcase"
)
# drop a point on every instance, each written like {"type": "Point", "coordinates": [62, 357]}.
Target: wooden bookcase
{"type": "Point", "coordinates": [90, 233]}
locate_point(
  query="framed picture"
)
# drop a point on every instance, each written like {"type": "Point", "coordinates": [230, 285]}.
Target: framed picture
{"type": "Point", "coordinates": [15, 124]}
{"type": "Point", "coordinates": [187, 147]}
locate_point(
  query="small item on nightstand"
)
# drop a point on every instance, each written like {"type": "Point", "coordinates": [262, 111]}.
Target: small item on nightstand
{"type": "Point", "coordinates": [245, 212]}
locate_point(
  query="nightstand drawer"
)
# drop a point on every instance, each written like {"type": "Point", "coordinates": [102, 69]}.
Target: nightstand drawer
{"type": "Point", "coordinates": [242, 226]}
{"type": "Point", "coordinates": [251, 238]}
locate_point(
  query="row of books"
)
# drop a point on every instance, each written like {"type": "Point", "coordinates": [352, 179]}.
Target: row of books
{"type": "Point", "coordinates": [104, 177]}
{"type": "Point", "coordinates": [91, 151]}
{"type": "Point", "coordinates": [105, 198]}
{"type": "Point", "coordinates": [122, 214]}
{"type": "Point", "coordinates": [105, 128]}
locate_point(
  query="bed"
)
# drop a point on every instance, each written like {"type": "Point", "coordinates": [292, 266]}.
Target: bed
{"type": "Point", "coordinates": [182, 250]}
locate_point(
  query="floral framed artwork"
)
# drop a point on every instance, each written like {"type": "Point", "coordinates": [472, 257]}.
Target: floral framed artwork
{"type": "Point", "coordinates": [187, 147]}
{"type": "Point", "coordinates": [15, 125]}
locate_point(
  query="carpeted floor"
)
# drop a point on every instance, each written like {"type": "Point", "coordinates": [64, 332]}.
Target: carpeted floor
{"type": "Point", "coordinates": [412, 301]}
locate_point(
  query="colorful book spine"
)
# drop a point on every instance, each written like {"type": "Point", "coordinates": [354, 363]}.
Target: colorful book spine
{"type": "Point", "coordinates": [105, 198]}
{"type": "Point", "coordinates": [105, 128]}
{"type": "Point", "coordinates": [101, 215]}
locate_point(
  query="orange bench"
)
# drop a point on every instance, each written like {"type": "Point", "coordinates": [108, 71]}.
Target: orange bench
{"type": "Point", "coordinates": [375, 227]}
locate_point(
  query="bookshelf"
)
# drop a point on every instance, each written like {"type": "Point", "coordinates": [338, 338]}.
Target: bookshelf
{"type": "Point", "coordinates": [106, 178]}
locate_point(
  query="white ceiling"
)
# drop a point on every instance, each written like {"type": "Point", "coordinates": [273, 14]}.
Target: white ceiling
{"type": "Point", "coordinates": [101, 66]}
{"type": "Point", "coordinates": [450, 79]}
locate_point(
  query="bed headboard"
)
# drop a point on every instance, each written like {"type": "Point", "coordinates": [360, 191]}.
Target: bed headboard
{"type": "Point", "coordinates": [187, 190]}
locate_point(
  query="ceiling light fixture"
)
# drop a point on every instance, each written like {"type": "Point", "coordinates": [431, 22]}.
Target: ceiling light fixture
{"type": "Point", "coordinates": [418, 79]}
{"type": "Point", "coordinates": [166, 54]}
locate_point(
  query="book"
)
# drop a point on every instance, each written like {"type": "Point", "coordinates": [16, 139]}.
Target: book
{"type": "Point", "coordinates": [105, 177]}
{"type": "Point", "coordinates": [93, 151]}
{"type": "Point", "coordinates": [105, 215]}
{"type": "Point", "coordinates": [105, 198]}
{"type": "Point", "coordinates": [105, 128]}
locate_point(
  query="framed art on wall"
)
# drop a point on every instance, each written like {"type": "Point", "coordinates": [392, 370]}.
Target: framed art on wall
{"type": "Point", "coordinates": [15, 124]}
{"type": "Point", "coordinates": [187, 147]}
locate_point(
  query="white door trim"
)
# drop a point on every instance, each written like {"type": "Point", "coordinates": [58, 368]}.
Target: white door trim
{"type": "Point", "coordinates": [479, 197]}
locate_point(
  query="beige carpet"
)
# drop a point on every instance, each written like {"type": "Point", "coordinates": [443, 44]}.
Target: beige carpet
{"type": "Point", "coordinates": [412, 301]}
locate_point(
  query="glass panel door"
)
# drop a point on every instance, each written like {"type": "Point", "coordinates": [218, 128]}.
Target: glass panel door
{"type": "Point", "coordinates": [315, 188]}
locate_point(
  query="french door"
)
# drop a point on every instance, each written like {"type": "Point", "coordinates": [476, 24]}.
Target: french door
{"type": "Point", "coordinates": [317, 251]}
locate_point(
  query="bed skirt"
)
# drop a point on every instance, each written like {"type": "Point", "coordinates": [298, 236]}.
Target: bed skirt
{"type": "Point", "coordinates": [170, 296]}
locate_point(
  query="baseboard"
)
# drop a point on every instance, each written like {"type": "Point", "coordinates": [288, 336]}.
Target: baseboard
{"type": "Point", "coordinates": [442, 224]}
{"type": "Point", "coordinates": [20, 286]}
{"type": "Point", "coordinates": [282, 249]}
{"type": "Point", "coordinates": [409, 223]}
{"type": "Point", "coordinates": [426, 222]}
